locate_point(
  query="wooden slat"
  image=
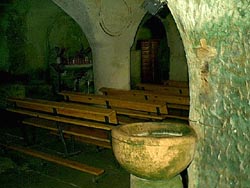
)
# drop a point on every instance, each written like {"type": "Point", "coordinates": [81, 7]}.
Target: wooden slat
{"type": "Point", "coordinates": [87, 140]}
{"type": "Point", "coordinates": [61, 108]}
{"type": "Point", "coordinates": [174, 83]}
{"type": "Point", "coordinates": [94, 142]}
{"type": "Point", "coordinates": [54, 159]}
{"type": "Point", "coordinates": [32, 104]}
{"type": "Point", "coordinates": [146, 95]}
{"type": "Point", "coordinates": [84, 98]}
{"type": "Point", "coordinates": [125, 119]}
{"type": "Point", "coordinates": [114, 102]}
{"type": "Point", "coordinates": [78, 122]}
{"type": "Point", "coordinates": [177, 117]}
{"type": "Point", "coordinates": [173, 102]}
{"type": "Point", "coordinates": [178, 106]}
{"type": "Point", "coordinates": [69, 129]}
{"type": "Point", "coordinates": [137, 114]}
{"type": "Point", "coordinates": [164, 89]}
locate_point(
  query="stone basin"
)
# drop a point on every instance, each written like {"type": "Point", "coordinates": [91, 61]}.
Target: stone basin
{"type": "Point", "coordinates": [154, 150]}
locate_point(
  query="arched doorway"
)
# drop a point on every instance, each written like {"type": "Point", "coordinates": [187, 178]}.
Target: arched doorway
{"type": "Point", "coordinates": [154, 52]}
{"type": "Point", "coordinates": [158, 53]}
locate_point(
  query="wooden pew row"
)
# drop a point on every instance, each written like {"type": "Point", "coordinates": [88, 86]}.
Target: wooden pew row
{"type": "Point", "coordinates": [110, 102]}
{"type": "Point", "coordinates": [163, 89]}
{"type": "Point", "coordinates": [179, 102]}
{"type": "Point", "coordinates": [71, 115]}
{"type": "Point", "coordinates": [174, 83]}
{"type": "Point", "coordinates": [87, 123]}
{"type": "Point", "coordinates": [124, 105]}
{"type": "Point", "coordinates": [178, 106]}
{"type": "Point", "coordinates": [137, 109]}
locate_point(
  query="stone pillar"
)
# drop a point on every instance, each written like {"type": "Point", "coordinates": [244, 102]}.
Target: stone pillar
{"type": "Point", "coordinates": [110, 27]}
{"type": "Point", "coordinates": [111, 65]}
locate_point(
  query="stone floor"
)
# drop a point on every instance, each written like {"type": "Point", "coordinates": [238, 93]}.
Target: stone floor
{"type": "Point", "coordinates": [26, 172]}
{"type": "Point", "coordinates": [18, 170]}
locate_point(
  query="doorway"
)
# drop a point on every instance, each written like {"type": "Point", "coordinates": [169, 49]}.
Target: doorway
{"type": "Point", "coordinates": [158, 54]}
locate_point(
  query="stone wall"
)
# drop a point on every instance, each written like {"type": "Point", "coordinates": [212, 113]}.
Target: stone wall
{"type": "Point", "coordinates": [178, 69]}
{"type": "Point", "coordinates": [219, 88]}
{"type": "Point", "coordinates": [30, 33]}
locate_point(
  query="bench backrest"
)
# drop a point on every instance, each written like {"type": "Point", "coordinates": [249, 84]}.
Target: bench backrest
{"type": "Point", "coordinates": [146, 95]}
{"type": "Point", "coordinates": [65, 109]}
{"type": "Point", "coordinates": [164, 89]}
{"type": "Point", "coordinates": [117, 102]}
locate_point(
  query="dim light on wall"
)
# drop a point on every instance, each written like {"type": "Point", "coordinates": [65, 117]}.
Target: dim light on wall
{"type": "Point", "coordinates": [153, 6]}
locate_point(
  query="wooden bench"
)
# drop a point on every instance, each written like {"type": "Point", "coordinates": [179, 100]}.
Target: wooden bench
{"type": "Point", "coordinates": [64, 109]}
{"type": "Point", "coordinates": [164, 89]}
{"type": "Point", "coordinates": [123, 106]}
{"type": "Point", "coordinates": [88, 123]}
{"type": "Point", "coordinates": [179, 103]}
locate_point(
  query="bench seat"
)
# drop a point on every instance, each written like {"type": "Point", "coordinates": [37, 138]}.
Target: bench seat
{"type": "Point", "coordinates": [83, 122]}
{"type": "Point", "coordinates": [58, 160]}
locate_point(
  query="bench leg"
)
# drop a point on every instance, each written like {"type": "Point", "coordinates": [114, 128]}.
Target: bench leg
{"type": "Point", "coordinates": [62, 138]}
{"type": "Point", "coordinates": [72, 139]}
{"type": "Point", "coordinates": [60, 132]}
{"type": "Point", "coordinates": [74, 152]}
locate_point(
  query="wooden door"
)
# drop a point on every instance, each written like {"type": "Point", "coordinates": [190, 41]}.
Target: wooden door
{"type": "Point", "coordinates": [149, 61]}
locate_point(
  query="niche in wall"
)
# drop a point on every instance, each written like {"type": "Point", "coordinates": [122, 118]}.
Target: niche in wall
{"type": "Point", "coordinates": [158, 53]}
{"type": "Point", "coordinates": [70, 56]}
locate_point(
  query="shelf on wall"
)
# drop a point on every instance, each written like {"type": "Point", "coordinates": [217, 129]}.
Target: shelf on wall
{"type": "Point", "coordinates": [76, 66]}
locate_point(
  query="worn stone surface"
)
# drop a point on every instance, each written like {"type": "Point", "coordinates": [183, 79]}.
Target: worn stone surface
{"type": "Point", "coordinates": [177, 53]}
{"type": "Point", "coordinates": [154, 150]}
{"type": "Point", "coordinates": [136, 182]}
{"type": "Point", "coordinates": [220, 107]}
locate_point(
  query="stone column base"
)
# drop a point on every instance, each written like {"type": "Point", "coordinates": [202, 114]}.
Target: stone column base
{"type": "Point", "coordinates": [136, 182]}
